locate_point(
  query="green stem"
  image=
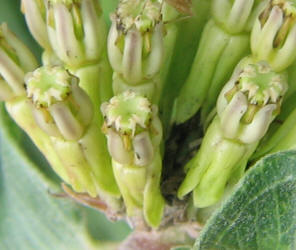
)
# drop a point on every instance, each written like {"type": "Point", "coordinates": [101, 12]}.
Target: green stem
{"type": "Point", "coordinates": [212, 44]}
{"type": "Point", "coordinates": [199, 164]}
{"type": "Point", "coordinates": [139, 187]}
{"type": "Point", "coordinates": [214, 165]}
{"type": "Point", "coordinates": [131, 181]}
{"type": "Point", "coordinates": [80, 171]}
{"type": "Point", "coordinates": [189, 33]}
{"type": "Point", "coordinates": [237, 47]}
{"type": "Point", "coordinates": [153, 200]}
{"type": "Point", "coordinates": [228, 157]}
{"type": "Point", "coordinates": [94, 80]}
{"type": "Point", "coordinates": [169, 44]}
{"type": "Point", "coordinates": [105, 79]}
{"type": "Point", "coordinates": [93, 146]}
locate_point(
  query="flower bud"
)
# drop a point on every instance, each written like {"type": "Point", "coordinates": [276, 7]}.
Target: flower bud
{"type": "Point", "coordinates": [273, 36]}
{"type": "Point", "coordinates": [76, 30]}
{"type": "Point", "coordinates": [35, 15]}
{"type": "Point", "coordinates": [135, 41]}
{"type": "Point", "coordinates": [134, 134]}
{"type": "Point", "coordinates": [250, 101]}
{"type": "Point", "coordinates": [15, 60]}
{"type": "Point", "coordinates": [132, 128]}
{"type": "Point", "coordinates": [61, 107]}
{"type": "Point", "coordinates": [245, 108]}
{"type": "Point", "coordinates": [236, 16]}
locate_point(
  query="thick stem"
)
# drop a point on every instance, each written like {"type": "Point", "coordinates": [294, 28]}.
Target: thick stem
{"type": "Point", "coordinates": [227, 156]}
{"type": "Point", "coordinates": [188, 35]}
{"type": "Point", "coordinates": [212, 44]}
{"type": "Point", "coordinates": [199, 164]}
{"type": "Point", "coordinates": [179, 235]}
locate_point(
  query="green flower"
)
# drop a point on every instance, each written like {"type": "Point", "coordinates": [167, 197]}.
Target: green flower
{"type": "Point", "coordinates": [224, 42]}
{"type": "Point", "coordinates": [35, 14]}
{"type": "Point", "coordinates": [76, 31]}
{"type": "Point", "coordinates": [274, 34]}
{"type": "Point", "coordinates": [15, 60]}
{"type": "Point", "coordinates": [62, 108]}
{"type": "Point", "coordinates": [136, 45]}
{"type": "Point", "coordinates": [134, 134]}
{"type": "Point", "coordinates": [64, 111]}
{"type": "Point", "coordinates": [250, 101]}
{"type": "Point", "coordinates": [246, 106]}
{"type": "Point", "coordinates": [238, 15]}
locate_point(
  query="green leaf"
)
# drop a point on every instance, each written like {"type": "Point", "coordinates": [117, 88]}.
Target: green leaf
{"type": "Point", "coordinates": [261, 213]}
{"type": "Point", "coordinates": [32, 218]}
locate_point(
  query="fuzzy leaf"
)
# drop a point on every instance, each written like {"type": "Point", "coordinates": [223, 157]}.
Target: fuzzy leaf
{"type": "Point", "coordinates": [261, 212]}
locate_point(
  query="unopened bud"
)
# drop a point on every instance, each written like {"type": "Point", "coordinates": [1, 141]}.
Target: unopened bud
{"type": "Point", "coordinates": [35, 14]}
{"type": "Point", "coordinates": [135, 41]}
{"type": "Point", "coordinates": [15, 60]}
{"type": "Point", "coordinates": [61, 107]}
{"type": "Point", "coordinates": [236, 15]}
{"type": "Point", "coordinates": [273, 36]}
{"type": "Point", "coordinates": [250, 101]}
{"type": "Point", "coordinates": [132, 128]}
{"type": "Point", "coordinates": [76, 30]}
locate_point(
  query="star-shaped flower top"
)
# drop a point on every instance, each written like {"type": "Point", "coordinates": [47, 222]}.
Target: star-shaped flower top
{"type": "Point", "coordinates": [250, 101]}
{"type": "Point", "coordinates": [49, 85]}
{"type": "Point", "coordinates": [143, 15]}
{"type": "Point", "coordinates": [128, 113]}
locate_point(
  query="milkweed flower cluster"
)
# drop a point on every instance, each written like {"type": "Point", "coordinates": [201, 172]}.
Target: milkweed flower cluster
{"type": "Point", "coordinates": [92, 106]}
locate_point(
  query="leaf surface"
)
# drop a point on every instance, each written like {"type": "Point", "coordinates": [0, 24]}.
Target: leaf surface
{"type": "Point", "coordinates": [261, 212]}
